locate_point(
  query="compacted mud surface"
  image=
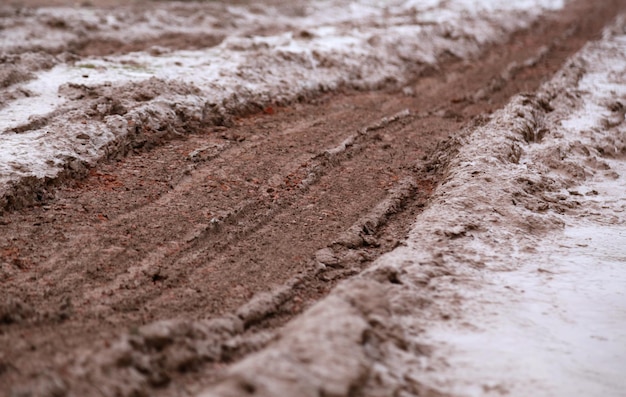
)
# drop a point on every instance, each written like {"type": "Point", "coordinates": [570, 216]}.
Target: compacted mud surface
{"type": "Point", "coordinates": [151, 269]}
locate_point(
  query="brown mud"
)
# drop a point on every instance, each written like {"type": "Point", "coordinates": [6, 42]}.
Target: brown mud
{"type": "Point", "coordinates": [241, 227]}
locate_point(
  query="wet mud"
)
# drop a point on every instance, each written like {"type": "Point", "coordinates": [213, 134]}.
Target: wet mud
{"type": "Point", "coordinates": [199, 236]}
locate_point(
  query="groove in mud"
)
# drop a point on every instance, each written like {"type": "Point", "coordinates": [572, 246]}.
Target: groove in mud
{"type": "Point", "coordinates": [297, 183]}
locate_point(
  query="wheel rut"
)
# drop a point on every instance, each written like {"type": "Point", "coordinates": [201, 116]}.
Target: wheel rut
{"type": "Point", "coordinates": [257, 221]}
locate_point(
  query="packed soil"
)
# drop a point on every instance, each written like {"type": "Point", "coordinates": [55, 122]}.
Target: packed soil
{"type": "Point", "coordinates": [304, 194]}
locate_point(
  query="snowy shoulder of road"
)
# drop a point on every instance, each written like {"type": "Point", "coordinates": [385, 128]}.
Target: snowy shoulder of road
{"type": "Point", "coordinates": [513, 280]}
{"type": "Point", "coordinates": [541, 309]}
{"type": "Point", "coordinates": [79, 111]}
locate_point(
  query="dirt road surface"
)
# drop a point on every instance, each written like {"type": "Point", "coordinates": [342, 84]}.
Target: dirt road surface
{"type": "Point", "coordinates": [179, 257]}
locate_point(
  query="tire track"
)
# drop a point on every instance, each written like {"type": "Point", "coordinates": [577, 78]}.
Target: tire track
{"type": "Point", "coordinates": [283, 204]}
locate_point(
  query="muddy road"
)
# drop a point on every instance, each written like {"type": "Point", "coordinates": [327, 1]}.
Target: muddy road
{"type": "Point", "coordinates": [259, 217]}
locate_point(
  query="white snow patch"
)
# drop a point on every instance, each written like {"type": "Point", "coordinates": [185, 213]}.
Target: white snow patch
{"type": "Point", "coordinates": [556, 325]}
{"type": "Point", "coordinates": [45, 96]}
